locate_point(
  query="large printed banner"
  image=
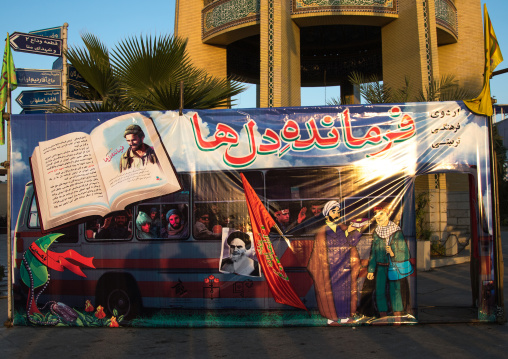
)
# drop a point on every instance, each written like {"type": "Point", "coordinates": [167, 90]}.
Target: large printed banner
{"type": "Point", "coordinates": [142, 219]}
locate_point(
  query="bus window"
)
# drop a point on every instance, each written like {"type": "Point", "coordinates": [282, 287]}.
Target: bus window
{"type": "Point", "coordinates": [114, 226]}
{"type": "Point", "coordinates": [165, 217]}
{"type": "Point", "coordinates": [70, 233]}
{"type": "Point", "coordinates": [33, 219]}
{"type": "Point", "coordinates": [296, 197]}
{"type": "Point", "coordinates": [220, 202]}
{"type": "Point", "coordinates": [152, 215]}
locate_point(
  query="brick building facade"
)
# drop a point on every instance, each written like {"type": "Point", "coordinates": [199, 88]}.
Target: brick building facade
{"type": "Point", "coordinates": [283, 45]}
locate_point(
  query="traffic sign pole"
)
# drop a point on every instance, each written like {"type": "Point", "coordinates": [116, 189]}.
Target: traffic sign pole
{"type": "Point", "coordinates": [65, 66]}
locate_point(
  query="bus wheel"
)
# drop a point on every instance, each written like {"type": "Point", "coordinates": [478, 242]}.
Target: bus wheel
{"type": "Point", "coordinates": [121, 295]}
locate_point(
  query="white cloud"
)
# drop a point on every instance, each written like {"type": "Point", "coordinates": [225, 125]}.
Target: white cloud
{"type": "Point", "coordinates": [17, 165]}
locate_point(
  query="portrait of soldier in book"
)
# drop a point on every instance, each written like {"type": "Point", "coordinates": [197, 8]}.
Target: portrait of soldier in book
{"type": "Point", "coordinates": [138, 154]}
{"type": "Point", "coordinates": [120, 162]}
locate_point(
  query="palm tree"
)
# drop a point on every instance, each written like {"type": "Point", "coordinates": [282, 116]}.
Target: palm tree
{"type": "Point", "coordinates": [374, 91]}
{"type": "Point", "coordinates": [144, 74]}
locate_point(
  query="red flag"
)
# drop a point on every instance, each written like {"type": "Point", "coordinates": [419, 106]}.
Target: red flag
{"type": "Point", "coordinates": [276, 277]}
{"type": "Point", "coordinates": [58, 261]}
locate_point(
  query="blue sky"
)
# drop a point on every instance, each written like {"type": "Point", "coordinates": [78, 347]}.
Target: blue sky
{"type": "Point", "coordinates": [112, 21]}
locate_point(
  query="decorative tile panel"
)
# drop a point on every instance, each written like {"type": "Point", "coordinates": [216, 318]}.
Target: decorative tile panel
{"type": "Point", "coordinates": [374, 6]}
{"type": "Point", "coordinates": [428, 51]}
{"type": "Point", "coordinates": [271, 52]}
{"type": "Point", "coordinates": [446, 15]}
{"type": "Point", "coordinates": [223, 14]}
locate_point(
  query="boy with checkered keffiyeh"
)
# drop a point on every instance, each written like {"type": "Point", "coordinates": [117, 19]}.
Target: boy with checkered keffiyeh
{"type": "Point", "coordinates": [388, 243]}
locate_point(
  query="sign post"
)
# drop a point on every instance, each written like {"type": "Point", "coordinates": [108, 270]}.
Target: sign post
{"type": "Point", "coordinates": [64, 63]}
{"type": "Point", "coordinates": [54, 32]}
{"type": "Point", "coordinates": [39, 98]}
{"type": "Point", "coordinates": [39, 78]}
{"type": "Point", "coordinates": [34, 44]}
{"type": "Point", "coordinates": [79, 104]}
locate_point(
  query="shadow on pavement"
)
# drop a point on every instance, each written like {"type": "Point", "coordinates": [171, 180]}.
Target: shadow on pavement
{"type": "Point", "coordinates": [444, 295]}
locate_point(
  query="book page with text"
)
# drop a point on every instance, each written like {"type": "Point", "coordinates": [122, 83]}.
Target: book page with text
{"type": "Point", "coordinates": [70, 174]}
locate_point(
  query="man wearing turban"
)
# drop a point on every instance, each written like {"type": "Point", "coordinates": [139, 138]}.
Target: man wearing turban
{"type": "Point", "coordinates": [177, 227]}
{"type": "Point", "coordinates": [143, 224]}
{"type": "Point", "coordinates": [334, 265]}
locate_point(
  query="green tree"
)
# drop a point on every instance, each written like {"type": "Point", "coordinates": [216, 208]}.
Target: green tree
{"type": "Point", "coordinates": [144, 74]}
{"type": "Point", "coordinates": [375, 91]}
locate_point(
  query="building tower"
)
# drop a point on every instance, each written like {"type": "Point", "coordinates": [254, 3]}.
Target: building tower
{"type": "Point", "coordinates": [283, 45]}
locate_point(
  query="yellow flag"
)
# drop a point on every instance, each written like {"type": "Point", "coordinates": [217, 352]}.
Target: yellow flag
{"type": "Point", "coordinates": [483, 103]}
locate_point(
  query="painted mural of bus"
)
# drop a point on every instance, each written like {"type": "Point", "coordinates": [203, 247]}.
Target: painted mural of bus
{"type": "Point", "coordinates": [163, 269]}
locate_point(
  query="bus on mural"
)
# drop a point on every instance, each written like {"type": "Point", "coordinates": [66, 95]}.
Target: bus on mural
{"type": "Point", "coordinates": [280, 216]}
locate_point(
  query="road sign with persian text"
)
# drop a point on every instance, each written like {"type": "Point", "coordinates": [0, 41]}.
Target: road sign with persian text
{"type": "Point", "coordinates": [39, 78]}
{"type": "Point", "coordinates": [54, 32]}
{"type": "Point", "coordinates": [34, 44]}
{"type": "Point", "coordinates": [39, 98]}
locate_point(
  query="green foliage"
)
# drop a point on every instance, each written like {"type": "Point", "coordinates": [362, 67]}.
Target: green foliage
{"type": "Point", "coordinates": [375, 91]}
{"type": "Point", "coordinates": [337, 101]}
{"type": "Point", "coordinates": [143, 74]}
{"type": "Point", "coordinates": [437, 249]}
{"type": "Point", "coordinates": [83, 319]}
{"type": "Point", "coordinates": [445, 89]}
{"type": "Point", "coordinates": [423, 231]}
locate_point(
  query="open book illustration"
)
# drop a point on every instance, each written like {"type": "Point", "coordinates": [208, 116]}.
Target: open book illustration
{"type": "Point", "coordinates": [120, 162]}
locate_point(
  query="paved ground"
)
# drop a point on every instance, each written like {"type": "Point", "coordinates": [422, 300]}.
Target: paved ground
{"type": "Point", "coordinates": [443, 293]}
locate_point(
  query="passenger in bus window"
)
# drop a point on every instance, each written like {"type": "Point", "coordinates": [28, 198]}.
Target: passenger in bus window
{"type": "Point", "coordinates": [114, 227]}
{"type": "Point", "coordinates": [202, 226]}
{"type": "Point", "coordinates": [238, 262]}
{"type": "Point", "coordinates": [231, 221]}
{"type": "Point", "coordinates": [176, 227]}
{"type": "Point", "coordinates": [216, 217]}
{"type": "Point", "coordinates": [143, 224]}
{"type": "Point", "coordinates": [155, 229]}
{"type": "Point", "coordinates": [138, 154]}
{"type": "Point", "coordinates": [92, 228]}
{"type": "Point", "coordinates": [282, 217]}
{"type": "Point", "coordinates": [310, 223]}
